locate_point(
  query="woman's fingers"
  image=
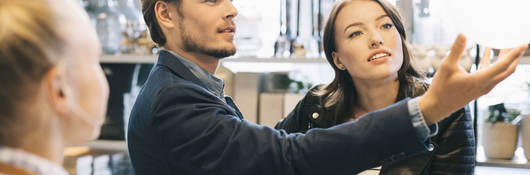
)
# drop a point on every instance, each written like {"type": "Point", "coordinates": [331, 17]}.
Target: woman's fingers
{"type": "Point", "coordinates": [456, 50]}
{"type": "Point", "coordinates": [508, 71]}
{"type": "Point", "coordinates": [505, 65]}
{"type": "Point", "coordinates": [503, 52]}
{"type": "Point", "coordinates": [485, 61]}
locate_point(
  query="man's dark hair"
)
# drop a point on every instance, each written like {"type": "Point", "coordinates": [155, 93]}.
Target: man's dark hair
{"type": "Point", "coordinates": [148, 10]}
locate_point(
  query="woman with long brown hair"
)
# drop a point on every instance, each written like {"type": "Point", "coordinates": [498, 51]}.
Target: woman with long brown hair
{"type": "Point", "coordinates": [53, 93]}
{"type": "Point", "coordinates": [365, 44]}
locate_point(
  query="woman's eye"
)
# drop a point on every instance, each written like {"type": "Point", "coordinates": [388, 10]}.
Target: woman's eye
{"type": "Point", "coordinates": [210, 1]}
{"type": "Point", "coordinates": [354, 34]}
{"type": "Point", "coordinates": [387, 26]}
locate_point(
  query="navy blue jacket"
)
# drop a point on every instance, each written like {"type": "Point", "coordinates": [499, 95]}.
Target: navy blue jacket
{"type": "Point", "coordinates": [178, 127]}
{"type": "Point", "coordinates": [454, 146]}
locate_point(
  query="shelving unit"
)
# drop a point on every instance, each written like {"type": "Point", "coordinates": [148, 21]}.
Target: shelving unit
{"type": "Point", "coordinates": [147, 59]}
{"type": "Point", "coordinates": [525, 60]}
{"type": "Point", "coordinates": [128, 59]}
{"type": "Point", "coordinates": [518, 161]}
{"type": "Point", "coordinates": [276, 60]}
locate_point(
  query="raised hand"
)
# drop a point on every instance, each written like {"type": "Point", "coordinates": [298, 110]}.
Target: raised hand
{"type": "Point", "coordinates": [453, 87]}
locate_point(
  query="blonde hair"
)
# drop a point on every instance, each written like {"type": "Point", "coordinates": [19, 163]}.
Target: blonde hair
{"type": "Point", "coordinates": [30, 46]}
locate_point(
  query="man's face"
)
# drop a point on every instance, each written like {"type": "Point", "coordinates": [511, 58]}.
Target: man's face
{"type": "Point", "coordinates": [206, 27]}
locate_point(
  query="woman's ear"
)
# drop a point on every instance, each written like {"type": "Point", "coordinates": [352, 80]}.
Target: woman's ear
{"type": "Point", "coordinates": [337, 61]}
{"type": "Point", "coordinates": [57, 91]}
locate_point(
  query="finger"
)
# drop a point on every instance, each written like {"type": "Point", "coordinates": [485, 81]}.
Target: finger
{"type": "Point", "coordinates": [503, 52]}
{"type": "Point", "coordinates": [490, 83]}
{"type": "Point", "coordinates": [485, 61]}
{"type": "Point", "coordinates": [456, 50]}
{"type": "Point", "coordinates": [503, 63]}
{"type": "Point", "coordinates": [509, 71]}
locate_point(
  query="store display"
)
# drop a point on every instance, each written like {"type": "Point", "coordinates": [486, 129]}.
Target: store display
{"type": "Point", "coordinates": [131, 23]}
{"type": "Point", "coordinates": [282, 44]}
{"type": "Point", "coordinates": [298, 45]}
{"type": "Point", "coordinates": [525, 135]}
{"type": "Point", "coordinates": [108, 26]}
{"type": "Point", "coordinates": [501, 132]}
{"type": "Point", "coordinates": [247, 37]}
{"type": "Point", "coordinates": [420, 58]}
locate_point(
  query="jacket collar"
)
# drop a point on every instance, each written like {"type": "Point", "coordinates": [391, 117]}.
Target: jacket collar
{"type": "Point", "coordinates": [173, 63]}
{"type": "Point", "coordinates": [169, 60]}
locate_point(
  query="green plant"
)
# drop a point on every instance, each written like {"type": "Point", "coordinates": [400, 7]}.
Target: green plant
{"type": "Point", "coordinates": [498, 113]}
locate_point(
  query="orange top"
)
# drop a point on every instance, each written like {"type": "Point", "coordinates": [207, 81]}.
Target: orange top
{"type": "Point", "coordinates": [11, 170]}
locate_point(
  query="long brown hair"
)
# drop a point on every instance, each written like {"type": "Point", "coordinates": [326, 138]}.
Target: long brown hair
{"type": "Point", "coordinates": [340, 95]}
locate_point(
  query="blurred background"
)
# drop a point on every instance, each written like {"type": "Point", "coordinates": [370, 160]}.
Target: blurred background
{"type": "Point", "coordinates": [279, 58]}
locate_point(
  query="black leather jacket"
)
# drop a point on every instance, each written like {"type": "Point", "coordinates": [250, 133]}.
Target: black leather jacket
{"type": "Point", "coordinates": [454, 145]}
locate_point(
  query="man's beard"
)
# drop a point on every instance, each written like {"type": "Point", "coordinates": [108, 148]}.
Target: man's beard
{"type": "Point", "coordinates": [190, 44]}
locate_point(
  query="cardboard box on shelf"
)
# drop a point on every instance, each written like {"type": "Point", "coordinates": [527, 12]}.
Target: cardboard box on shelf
{"type": "Point", "coordinates": [247, 86]}
{"type": "Point", "coordinates": [276, 106]}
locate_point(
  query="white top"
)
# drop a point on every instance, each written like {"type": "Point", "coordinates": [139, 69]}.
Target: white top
{"type": "Point", "coordinates": [29, 162]}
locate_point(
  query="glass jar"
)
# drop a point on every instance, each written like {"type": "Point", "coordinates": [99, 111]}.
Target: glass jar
{"type": "Point", "coordinates": [108, 26]}
{"type": "Point", "coordinates": [131, 23]}
{"type": "Point", "coordinates": [248, 34]}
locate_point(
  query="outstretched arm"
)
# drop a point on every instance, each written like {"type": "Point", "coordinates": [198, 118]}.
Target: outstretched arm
{"type": "Point", "coordinates": [453, 87]}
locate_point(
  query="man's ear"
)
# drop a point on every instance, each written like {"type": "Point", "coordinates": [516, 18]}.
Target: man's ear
{"type": "Point", "coordinates": [57, 91]}
{"type": "Point", "coordinates": [164, 14]}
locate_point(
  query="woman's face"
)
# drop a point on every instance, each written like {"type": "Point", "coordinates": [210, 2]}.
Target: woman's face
{"type": "Point", "coordinates": [368, 44]}
{"type": "Point", "coordinates": [87, 89]}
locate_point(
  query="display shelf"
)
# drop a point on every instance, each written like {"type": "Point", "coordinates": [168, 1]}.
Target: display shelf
{"type": "Point", "coordinates": [150, 59]}
{"type": "Point", "coordinates": [112, 145]}
{"type": "Point", "coordinates": [128, 59]}
{"type": "Point", "coordinates": [525, 60]}
{"type": "Point", "coordinates": [276, 60]}
{"type": "Point", "coordinates": [518, 161]}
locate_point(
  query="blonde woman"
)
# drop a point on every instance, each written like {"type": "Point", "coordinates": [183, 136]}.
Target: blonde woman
{"type": "Point", "coordinates": [53, 93]}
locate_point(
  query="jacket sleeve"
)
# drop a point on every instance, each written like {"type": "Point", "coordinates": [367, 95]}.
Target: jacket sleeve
{"type": "Point", "coordinates": [202, 135]}
{"type": "Point", "coordinates": [455, 152]}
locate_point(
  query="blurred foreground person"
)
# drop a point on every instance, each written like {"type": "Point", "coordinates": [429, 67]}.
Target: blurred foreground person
{"type": "Point", "coordinates": [53, 93]}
